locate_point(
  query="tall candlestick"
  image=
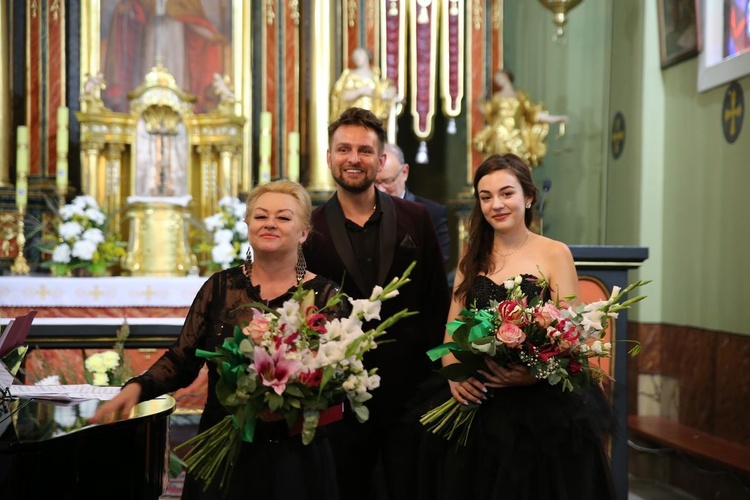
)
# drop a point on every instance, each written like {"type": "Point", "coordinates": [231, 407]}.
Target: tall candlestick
{"type": "Point", "coordinates": [22, 166]}
{"type": "Point", "coordinates": [62, 150]}
{"type": "Point", "coordinates": [264, 148]}
{"type": "Point", "coordinates": [293, 157]}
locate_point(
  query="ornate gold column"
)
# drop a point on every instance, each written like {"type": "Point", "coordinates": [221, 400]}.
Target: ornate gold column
{"type": "Point", "coordinates": [5, 124]}
{"type": "Point", "coordinates": [228, 185]}
{"type": "Point", "coordinates": [320, 47]}
{"type": "Point", "coordinates": [209, 200]}
{"type": "Point", "coordinates": [90, 183]}
{"type": "Point", "coordinates": [113, 180]}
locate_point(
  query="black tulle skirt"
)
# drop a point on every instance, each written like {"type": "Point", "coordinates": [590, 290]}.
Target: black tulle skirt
{"type": "Point", "coordinates": [276, 466]}
{"type": "Point", "coordinates": [526, 443]}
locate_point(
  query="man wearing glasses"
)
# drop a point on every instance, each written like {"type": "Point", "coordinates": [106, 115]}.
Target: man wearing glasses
{"type": "Point", "coordinates": [392, 180]}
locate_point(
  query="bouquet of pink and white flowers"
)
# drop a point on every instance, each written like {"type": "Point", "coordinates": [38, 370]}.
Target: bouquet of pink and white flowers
{"type": "Point", "coordinates": [556, 343]}
{"type": "Point", "coordinates": [293, 362]}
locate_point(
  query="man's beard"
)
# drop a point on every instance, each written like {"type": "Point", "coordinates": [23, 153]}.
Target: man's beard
{"type": "Point", "coordinates": [354, 188]}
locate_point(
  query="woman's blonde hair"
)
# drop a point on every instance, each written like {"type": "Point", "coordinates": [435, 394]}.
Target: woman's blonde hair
{"type": "Point", "coordinates": [283, 186]}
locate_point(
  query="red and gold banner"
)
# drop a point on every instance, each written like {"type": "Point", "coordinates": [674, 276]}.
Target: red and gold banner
{"type": "Point", "coordinates": [55, 84]}
{"type": "Point", "coordinates": [452, 48]}
{"type": "Point", "coordinates": [360, 28]}
{"type": "Point", "coordinates": [34, 86]}
{"type": "Point", "coordinates": [393, 44]}
{"type": "Point", "coordinates": [423, 25]}
{"type": "Point", "coordinates": [476, 68]}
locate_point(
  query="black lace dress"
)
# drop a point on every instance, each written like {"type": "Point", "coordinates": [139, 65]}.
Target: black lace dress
{"type": "Point", "coordinates": [274, 465]}
{"type": "Point", "coordinates": [532, 442]}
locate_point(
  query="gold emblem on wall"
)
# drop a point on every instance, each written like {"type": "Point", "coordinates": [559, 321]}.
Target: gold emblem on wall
{"type": "Point", "coordinates": [733, 112]}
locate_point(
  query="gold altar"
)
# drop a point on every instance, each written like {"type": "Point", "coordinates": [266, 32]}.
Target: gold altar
{"type": "Point", "coordinates": [158, 165]}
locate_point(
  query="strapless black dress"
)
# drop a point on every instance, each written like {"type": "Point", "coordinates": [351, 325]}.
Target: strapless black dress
{"type": "Point", "coordinates": [532, 442]}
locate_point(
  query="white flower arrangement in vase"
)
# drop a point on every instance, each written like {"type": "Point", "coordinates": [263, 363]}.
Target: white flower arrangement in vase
{"type": "Point", "coordinates": [82, 240]}
{"type": "Point", "coordinates": [228, 243]}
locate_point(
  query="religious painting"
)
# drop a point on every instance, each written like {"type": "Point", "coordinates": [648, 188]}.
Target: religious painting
{"type": "Point", "coordinates": [192, 39]}
{"type": "Point", "coordinates": [679, 30]}
{"type": "Point", "coordinates": [726, 34]}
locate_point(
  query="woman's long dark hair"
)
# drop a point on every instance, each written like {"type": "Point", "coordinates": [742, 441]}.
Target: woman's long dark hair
{"type": "Point", "coordinates": [476, 260]}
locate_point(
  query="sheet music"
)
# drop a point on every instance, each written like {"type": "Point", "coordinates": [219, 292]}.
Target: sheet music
{"type": "Point", "coordinates": [77, 392]}
{"type": "Point", "coordinates": [6, 379]}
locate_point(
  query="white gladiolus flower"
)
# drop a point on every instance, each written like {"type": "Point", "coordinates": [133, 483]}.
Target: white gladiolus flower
{"type": "Point", "coordinates": [597, 347]}
{"type": "Point", "coordinates": [376, 291]}
{"type": "Point", "coordinates": [70, 230]}
{"type": "Point", "coordinates": [370, 309]}
{"type": "Point", "coordinates": [592, 320]}
{"type": "Point", "coordinates": [61, 254]}
{"type": "Point", "coordinates": [93, 235]}
{"type": "Point", "coordinates": [615, 292]}
{"type": "Point", "coordinates": [223, 236]}
{"type": "Point", "coordinates": [83, 250]}
{"type": "Point", "coordinates": [509, 284]}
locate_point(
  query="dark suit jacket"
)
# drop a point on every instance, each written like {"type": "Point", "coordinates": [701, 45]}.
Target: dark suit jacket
{"type": "Point", "coordinates": [439, 216]}
{"type": "Point", "coordinates": [406, 235]}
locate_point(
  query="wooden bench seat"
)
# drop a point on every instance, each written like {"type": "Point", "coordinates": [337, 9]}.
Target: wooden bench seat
{"type": "Point", "coordinates": [672, 434]}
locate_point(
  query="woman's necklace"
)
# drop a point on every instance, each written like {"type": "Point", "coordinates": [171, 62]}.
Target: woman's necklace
{"type": "Point", "coordinates": [504, 255]}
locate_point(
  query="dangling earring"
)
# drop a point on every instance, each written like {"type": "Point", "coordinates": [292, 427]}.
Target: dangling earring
{"type": "Point", "coordinates": [528, 205]}
{"type": "Point", "coordinates": [249, 262]}
{"type": "Point", "coordinates": [301, 267]}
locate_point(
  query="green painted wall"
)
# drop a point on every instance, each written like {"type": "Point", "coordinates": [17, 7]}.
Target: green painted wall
{"type": "Point", "coordinates": [678, 188]}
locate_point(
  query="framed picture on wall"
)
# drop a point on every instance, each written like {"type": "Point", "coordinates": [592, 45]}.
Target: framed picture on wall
{"type": "Point", "coordinates": [726, 52]}
{"type": "Point", "coordinates": [679, 30]}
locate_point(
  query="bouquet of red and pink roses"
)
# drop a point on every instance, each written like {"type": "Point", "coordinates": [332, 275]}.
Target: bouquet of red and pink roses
{"type": "Point", "coordinates": [295, 363]}
{"type": "Point", "coordinates": [556, 343]}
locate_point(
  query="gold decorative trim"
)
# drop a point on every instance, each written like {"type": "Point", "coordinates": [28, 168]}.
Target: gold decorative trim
{"type": "Point", "coordinates": [55, 9]}
{"type": "Point", "coordinates": [294, 11]}
{"type": "Point", "coordinates": [351, 13]}
{"type": "Point", "coordinates": [270, 14]}
{"type": "Point", "coordinates": [477, 14]}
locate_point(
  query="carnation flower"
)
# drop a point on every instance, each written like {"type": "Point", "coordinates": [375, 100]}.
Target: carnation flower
{"type": "Point", "coordinates": [83, 249]}
{"type": "Point", "coordinates": [70, 230]}
{"type": "Point", "coordinates": [61, 254]}
{"type": "Point", "coordinates": [227, 230]}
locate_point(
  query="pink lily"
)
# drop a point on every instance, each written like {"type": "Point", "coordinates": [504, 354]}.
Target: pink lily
{"type": "Point", "coordinates": [275, 371]}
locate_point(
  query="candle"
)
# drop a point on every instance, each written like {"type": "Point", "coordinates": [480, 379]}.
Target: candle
{"type": "Point", "coordinates": [22, 156]}
{"type": "Point", "coordinates": [22, 166]}
{"type": "Point", "coordinates": [62, 148]}
{"type": "Point", "coordinates": [264, 148]}
{"type": "Point", "coordinates": [293, 157]}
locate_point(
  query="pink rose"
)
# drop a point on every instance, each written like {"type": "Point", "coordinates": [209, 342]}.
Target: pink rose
{"type": "Point", "coordinates": [257, 327]}
{"type": "Point", "coordinates": [510, 335]}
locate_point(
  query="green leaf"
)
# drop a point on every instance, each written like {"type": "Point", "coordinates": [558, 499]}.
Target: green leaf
{"type": "Point", "coordinates": [275, 401]}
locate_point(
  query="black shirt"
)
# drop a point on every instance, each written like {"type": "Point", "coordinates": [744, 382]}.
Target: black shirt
{"type": "Point", "coordinates": [366, 243]}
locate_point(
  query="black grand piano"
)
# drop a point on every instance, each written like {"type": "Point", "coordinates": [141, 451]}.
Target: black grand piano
{"type": "Point", "coordinates": [47, 450]}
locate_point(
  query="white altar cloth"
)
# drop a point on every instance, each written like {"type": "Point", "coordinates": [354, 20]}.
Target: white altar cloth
{"type": "Point", "coordinates": [120, 291]}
